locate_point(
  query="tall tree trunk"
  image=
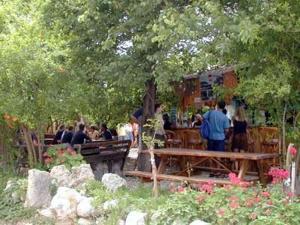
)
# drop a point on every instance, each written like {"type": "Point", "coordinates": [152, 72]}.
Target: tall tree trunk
{"type": "Point", "coordinates": [143, 161]}
{"type": "Point", "coordinates": [32, 158]}
{"type": "Point", "coordinates": [283, 149]}
{"type": "Point", "coordinates": [154, 173]}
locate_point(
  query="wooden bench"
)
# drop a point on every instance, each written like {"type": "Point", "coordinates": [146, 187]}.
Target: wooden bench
{"type": "Point", "coordinates": [186, 155]}
{"type": "Point", "coordinates": [101, 154]}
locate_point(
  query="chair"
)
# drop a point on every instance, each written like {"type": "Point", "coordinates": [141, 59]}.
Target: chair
{"type": "Point", "coordinates": [173, 140]}
{"type": "Point", "coordinates": [269, 142]}
{"type": "Point", "coordinates": [193, 139]}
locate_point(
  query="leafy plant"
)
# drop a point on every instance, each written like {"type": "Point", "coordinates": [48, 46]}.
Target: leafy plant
{"type": "Point", "coordinates": [62, 155]}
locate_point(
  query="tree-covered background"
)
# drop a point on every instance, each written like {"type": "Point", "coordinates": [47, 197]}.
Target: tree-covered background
{"type": "Point", "coordinates": [60, 59]}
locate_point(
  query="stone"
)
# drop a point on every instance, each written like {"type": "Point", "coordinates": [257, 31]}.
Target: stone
{"type": "Point", "coordinates": [80, 175]}
{"type": "Point", "coordinates": [110, 204]}
{"type": "Point", "coordinates": [83, 221]}
{"type": "Point", "coordinates": [199, 222]}
{"type": "Point", "coordinates": [65, 202]}
{"type": "Point", "coordinates": [62, 175]}
{"type": "Point", "coordinates": [47, 213]}
{"type": "Point", "coordinates": [10, 185]}
{"type": "Point", "coordinates": [85, 208]}
{"type": "Point", "coordinates": [136, 218]}
{"type": "Point", "coordinates": [121, 222]}
{"type": "Point", "coordinates": [38, 190]}
{"type": "Point", "coordinates": [113, 181]}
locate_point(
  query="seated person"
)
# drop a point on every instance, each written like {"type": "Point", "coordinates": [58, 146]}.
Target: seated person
{"type": "Point", "coordinates": [68, 135]}
{"type": "Point", "coordinates": [94, 133]}
{"type": "Point", "coordinates": [198, 121]}
{"type": "Point", "coordinates": [58, 135]}
{"type": "Point", "coordinates": [105, 133]}
{"type": "Point", "coordinates": [80, 136]}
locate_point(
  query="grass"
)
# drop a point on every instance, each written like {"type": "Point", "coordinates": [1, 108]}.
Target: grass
{"type": "Point", "coordinates": [128, 200]}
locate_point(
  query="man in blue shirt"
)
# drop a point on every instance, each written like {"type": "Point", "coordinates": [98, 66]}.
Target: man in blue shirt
{"type": "Point", "coordinates": [219, 124]}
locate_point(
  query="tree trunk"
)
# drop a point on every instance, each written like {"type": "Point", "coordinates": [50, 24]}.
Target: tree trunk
{"type": "Point", "coordinates": [154, 173]}
{"type": "Point", "coordinates": [283, 149]}
{"type": "Point", "coordinates": [32, 159]}
{"type": "Point", "coordinates": [143, 161]}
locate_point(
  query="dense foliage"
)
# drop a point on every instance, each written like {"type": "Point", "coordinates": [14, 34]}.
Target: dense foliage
{"type": "Point", "coordinates": [229, 205]}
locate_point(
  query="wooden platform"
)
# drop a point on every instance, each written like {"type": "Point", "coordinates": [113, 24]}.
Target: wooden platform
{"type": "Point", "coordinates": [195, 180]}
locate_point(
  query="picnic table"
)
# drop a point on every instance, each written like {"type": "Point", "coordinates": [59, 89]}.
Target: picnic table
{"type": "Point", "coordinates": [196, 157]}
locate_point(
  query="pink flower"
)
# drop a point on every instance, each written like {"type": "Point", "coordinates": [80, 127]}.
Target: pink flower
{"type": "Point", "coordinates": [270, 202]}
{"type": "Point", "coordinates": [221, 212]}
{"type": "Point", "coordinates": [233, 178]}
{"type": "Point", "coordinates": [278, 175]}
{"type": "Point", "coordinates": [290, 194]}
{"type": "Point", "coordinates": [237, 181]}
{"type": "Point", "coordinates": [234, 205]}
{"type": "Point", "coordinates": [208, 187]}
{"type": "Point", "coordinates": [180, 189]}
{"type": "Point", "coordinates": [293, 151]}
{"type": "Point", "coordinates": [250, 202]}
{"type": "Point", "coordinates": [266, 194]}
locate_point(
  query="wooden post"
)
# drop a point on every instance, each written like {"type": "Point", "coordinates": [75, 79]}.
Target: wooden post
{"type": "Point", "coordinates": [154, 173]}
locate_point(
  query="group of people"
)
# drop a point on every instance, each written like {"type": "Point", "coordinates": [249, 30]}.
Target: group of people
{"type": "Point", "coordinates": [219, 128]}
{"type": "Point", "coordinates": [82, 135]}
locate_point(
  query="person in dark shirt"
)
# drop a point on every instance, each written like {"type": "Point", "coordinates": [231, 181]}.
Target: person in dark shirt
{"type": "Point", "coordinates": [105, 132]}
{"type": "Point", "coordinates": [240, 140]}
{"type": "Point", "coordinates": [80, 136]}
{"type": "Point", "coordinates": [68, 135]}
{"type": "Point", "coordinates": [167, 123]}
{"type": "Point", "coordinates": [58, 135]}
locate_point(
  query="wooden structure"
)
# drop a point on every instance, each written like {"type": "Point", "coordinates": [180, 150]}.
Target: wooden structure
{"type": "Point", "coordinates": [189, 155]}
{"type": "Point", "coordinates": [105, 153]}
{"type": "Point", "coordinates": [196, 89]}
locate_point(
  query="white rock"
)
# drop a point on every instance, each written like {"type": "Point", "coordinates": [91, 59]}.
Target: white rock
{"type": "Point", "coordinates": [178, 222]}
{"type": "Point", "coordinates": [85, 208]}
{"type": "Point", "coordinates": [65, 202]}
{"type": "Point", "coordinates": [199, 222]}
{"type": "Point", "coordinates": [113, 181]}
{"type": "Point", "coordinates": [121, 222]}
{"type": "Point", "coordinates": [80, 175]}
{"type": "Point", "coordinates": [62, 175]}
{"type": "Point", "coordinates": [110, 204]}
{"type": "Point", "coordinates": [83, 221]}
{"type": "Point", "coordinates": [10, 184]}
{"type": "Point", "coordinates": [47, 213]}
{"type": "Point", "coordinates": [38, 190]}
{"type": "Point", "coordinates": [135, 218]}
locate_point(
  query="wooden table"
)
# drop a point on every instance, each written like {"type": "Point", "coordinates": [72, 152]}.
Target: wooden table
{"type": "Point", "coordinates": [201, 156]}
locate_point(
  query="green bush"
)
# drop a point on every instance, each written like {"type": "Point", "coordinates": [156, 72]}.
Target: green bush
{"type": "Point", "coordinates": [62, 155]}
{"type": "Point", "coordinates": [237, 204]}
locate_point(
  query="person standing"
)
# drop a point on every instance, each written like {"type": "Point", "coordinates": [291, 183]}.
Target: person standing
{"type": "Point", "coordinates": [219, 125]}
{"type": "Point", "coordinates": [160, 131]}
{"type": "Point", "coordinates": [239, 139]}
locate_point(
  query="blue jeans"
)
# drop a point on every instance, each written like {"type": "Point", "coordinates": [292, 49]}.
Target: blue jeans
{"type": "Point", "coordinates": [216, 145]}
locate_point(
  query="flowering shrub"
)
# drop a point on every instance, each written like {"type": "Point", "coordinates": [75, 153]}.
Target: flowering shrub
{"type": "Point", "coordinates": [278, 175]}
{"type": "Point", "coordinates": [233, 204]}
{"type": "Point", "coordinates": [62, 155]}
{"type": "Point", "coordinates": [293, 151]}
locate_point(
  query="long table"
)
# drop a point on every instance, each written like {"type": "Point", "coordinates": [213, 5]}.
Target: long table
{"type": "Point", "coordinates": [199, 156]}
